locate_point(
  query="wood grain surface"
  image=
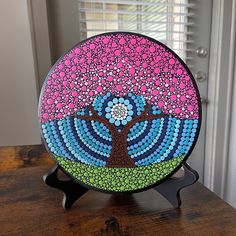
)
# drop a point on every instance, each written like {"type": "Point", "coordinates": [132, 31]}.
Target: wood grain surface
{"type": "Point", "coordinates": [29, 207]}
{"type": "Point", "coordinates": [23, 156]}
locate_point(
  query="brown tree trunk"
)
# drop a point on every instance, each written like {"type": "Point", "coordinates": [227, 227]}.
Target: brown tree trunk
{"type": "Point", "coordinates": [119, 157]}
{"type": "Point", "coordinates": [119, 154]}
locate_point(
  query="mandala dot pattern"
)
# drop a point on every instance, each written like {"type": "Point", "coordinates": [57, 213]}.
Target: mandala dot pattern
{"type": "Point", "coordinates": [120, 112]}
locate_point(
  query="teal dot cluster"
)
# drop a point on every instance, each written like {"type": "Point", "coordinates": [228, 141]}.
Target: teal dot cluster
{"type": "Point", "coordinates": [161, 139]}
{"type": "Point", "coordinates": [101, 130]}
{"type": "Point", "coordinates": [87, 138]}
{"type": "Point", "coordinates": [137, 130]}
{"type": "Point", "coordinates": [149, 142]}
{"type": "Point", "coordinates": [187, 138]}
{"type": "Point", "coordinates": [55, 141]}
{"type": "Point", "coordinates": [123, 103]}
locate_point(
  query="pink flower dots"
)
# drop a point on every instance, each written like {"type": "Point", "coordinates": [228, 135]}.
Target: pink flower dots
{"type": "Point", "coordinates": [173, 97]}
{"type": "Point", "coordinates": [59, 105]}
{"type": "Point", "coordinates": [190, 107]}
{"type": "Point", "coordinates": [119, 65]}
{"type": "Point", "coordinates": [73, 76]}
{"type": "Point", "coordinates": [177, 110]}
{"type": "Point", "coordinates": [71, 55]}
{"type": "Point", "coordinates": [62, 74]}
{"type": "Point", "coordinates": [139, 49]}
{"type": "Point", "coordinates": [175, 80]}
{"type": "Point", "coordinates": [99, 89]}
{"type": "Point", "coordinates": [132, 71]}
{"type": "Point", "coordinates": [152, 49]}
{"type": "Point", "coordinates": [145, 65]}
{"type": "Point", "coordinates": [45, 116]}
{"type": "Point", "coordinates": [106, 72]}
{"type": "Point", "coordinates": [155, 92]}
{"type": "Point", "coordinates": [49, 101]}
{"type": "Point", "coordinates": [60, 66]}
{"type": "Point", "coordinates": [54, 76]}
{"type": "Point", "coordinates": [182, 85]}
{"type": "Point", "coordinates": [92, 46]}
{"type": "Point", "coordinates": [190, 92]}
{"type": "Point", "coordinates": [187, 78]}
{"type": "Point", "coordinates": [182, 98]}
{"type": "Point", "coordinates": [143, 88]}
{"type": "Point", "coordinates": [157, 70]}
{"type": "Point", "coordinates": [59, 115]}
{"type": "Point", "coordinates": [160, 103]}
{"type": "Point", "coordinates": [67, 62]}
{"type": "Point", "coordinates": [144, 56]}
{"type": "Point", "coordinates": [172, 61]}
{"type": "Point", "coordinates": [77, 50]}
{"type": "Point", "coordinates": [133, 41]}
{"type": "Point", "coordinates": [179, 72]}
{"type": "Point", "coordinates": [110, 78]}
{"type": "Point", "coordinates": [122, 41]}
{"type": "Point", "coordinates": [72, 85]}
{"type": "Point", "coordinates": [105, 40]}
{"type": "Point", "coordinates": [74, 93]}
{"type": "Point", "coordinates": [117, 52]}
{"type": "Point", "coordinates": [127, 49]}
{"type": "Point", "coordinates": [71, 105]}
{"type": "Point", "coordinates": [84, 88]}
{"type": "Point", "coordinates": [104, 59]}
{"type": "Point", "coordinates": [119, 87]}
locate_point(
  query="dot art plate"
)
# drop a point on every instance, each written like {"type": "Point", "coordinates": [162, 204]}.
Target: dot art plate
{"type": "Point", "coordinates": [120, 112]}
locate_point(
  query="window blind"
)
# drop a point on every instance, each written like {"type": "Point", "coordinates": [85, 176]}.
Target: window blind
{"type": "Point", "coordinates": [168, 21]}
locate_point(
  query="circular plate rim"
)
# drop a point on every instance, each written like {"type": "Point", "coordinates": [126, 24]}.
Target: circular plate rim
{"type": "Point", "coordinates": [186, 156]}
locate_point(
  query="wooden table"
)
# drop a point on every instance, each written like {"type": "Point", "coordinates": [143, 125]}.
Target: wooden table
{"type": "Point", "coordinates": [29, 207]}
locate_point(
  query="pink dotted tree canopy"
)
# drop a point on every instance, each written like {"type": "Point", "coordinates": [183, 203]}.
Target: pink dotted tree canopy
{"type": "Point", "coordinates": [119, 63]}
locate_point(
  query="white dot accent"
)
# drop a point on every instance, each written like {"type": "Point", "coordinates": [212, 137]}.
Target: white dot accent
{"type": "Point", "coordinates": [119, 111]}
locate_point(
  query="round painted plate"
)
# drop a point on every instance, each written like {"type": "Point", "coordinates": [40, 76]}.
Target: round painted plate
{"type": "Point", "coordinates": [120, 112]}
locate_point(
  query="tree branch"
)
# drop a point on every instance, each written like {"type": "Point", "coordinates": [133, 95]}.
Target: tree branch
{"type": "Point", "coordinates": [142, 117]}
{"type": "Point", "coordinates": [96, 117]}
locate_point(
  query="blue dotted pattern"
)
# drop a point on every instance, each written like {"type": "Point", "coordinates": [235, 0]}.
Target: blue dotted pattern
{"type": "Point", "coordinates": [90, 142]}
{"type": "Point", "coordinates": [167, 138]}
{"type": "Point", "coordinates": [135, 106]}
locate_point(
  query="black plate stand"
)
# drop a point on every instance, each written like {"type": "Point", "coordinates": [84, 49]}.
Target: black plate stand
{"type": "Point", "coordinates": [169, 189]}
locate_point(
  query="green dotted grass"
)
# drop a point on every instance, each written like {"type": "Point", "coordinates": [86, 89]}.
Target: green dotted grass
{"type": "Point", "coordinates": [118, 179]}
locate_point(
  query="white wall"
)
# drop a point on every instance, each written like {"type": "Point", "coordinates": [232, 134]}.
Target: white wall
{"type": "Point", "coordinates": [64, 25]}
{"type": "Point", "coordinates": [231, 177]}
{"type": "Point", "coordinates": [18, 93]}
